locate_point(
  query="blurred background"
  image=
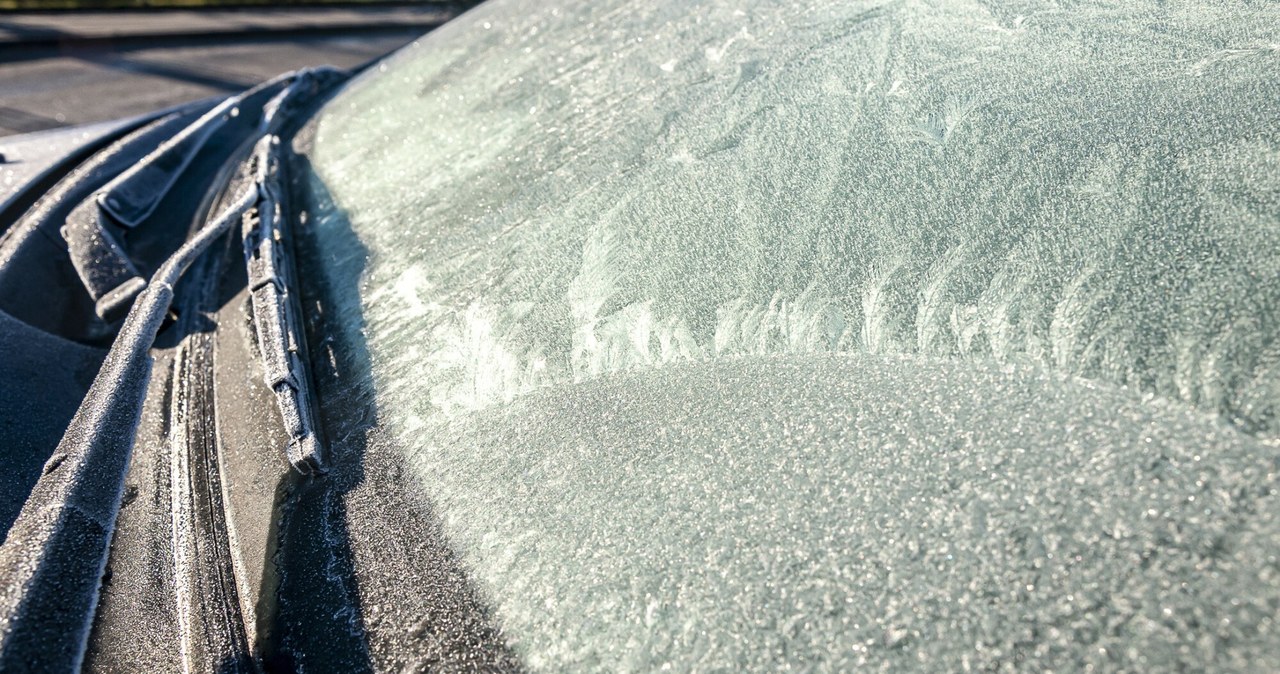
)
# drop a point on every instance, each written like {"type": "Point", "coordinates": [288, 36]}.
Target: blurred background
{"type": "Point", "coordinates": [42, 5]}
{"type": "Point", "coordinates": [72, 62]}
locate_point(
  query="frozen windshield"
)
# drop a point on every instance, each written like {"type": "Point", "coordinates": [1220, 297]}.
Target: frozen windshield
{"type": "Point", "coordinates": [729, 334]}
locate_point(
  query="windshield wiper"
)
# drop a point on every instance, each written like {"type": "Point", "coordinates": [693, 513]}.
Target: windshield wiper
{"type": "Point", "coordinates": [52, 563]}
{"type": "Point", "coordinates": [97, 231]}
{"type": "Point", "coordinates": [276, 318]}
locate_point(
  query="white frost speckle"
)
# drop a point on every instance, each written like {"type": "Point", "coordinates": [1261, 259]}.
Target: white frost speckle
{"type": "Point", "coordinates": [733, 371]}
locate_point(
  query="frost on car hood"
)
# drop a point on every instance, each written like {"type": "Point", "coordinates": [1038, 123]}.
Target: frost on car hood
{"type": "Point", "coordinates": [569, 206]}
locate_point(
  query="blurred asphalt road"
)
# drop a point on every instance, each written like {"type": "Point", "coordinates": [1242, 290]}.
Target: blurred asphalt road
{"type": "Point", "coordinates": [74, 68]}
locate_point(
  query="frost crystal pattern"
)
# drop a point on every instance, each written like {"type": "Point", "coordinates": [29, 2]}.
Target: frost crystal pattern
{"type": "Point", "coordinates": [833, 334]}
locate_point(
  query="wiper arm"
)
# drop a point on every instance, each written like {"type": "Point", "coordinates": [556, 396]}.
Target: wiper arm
{"type": "Point", "coordinates": [52, 562]}
{"type": "Point", "coordinates": [95, 232]}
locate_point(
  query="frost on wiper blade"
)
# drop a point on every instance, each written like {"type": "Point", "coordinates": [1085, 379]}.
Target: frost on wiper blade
{"type": "Point", "coordinates": [276, 316]}
{"type": "Point", "coordinates": [99, 231]}
{"type": "Point", "coordinates": [277, 322]}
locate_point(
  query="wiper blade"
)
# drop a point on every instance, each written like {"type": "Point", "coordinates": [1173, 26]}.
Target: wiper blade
{"type": "Point", "coordinates": [96, 231]}
{"type": "Point", "coordinates": [276, 319]}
